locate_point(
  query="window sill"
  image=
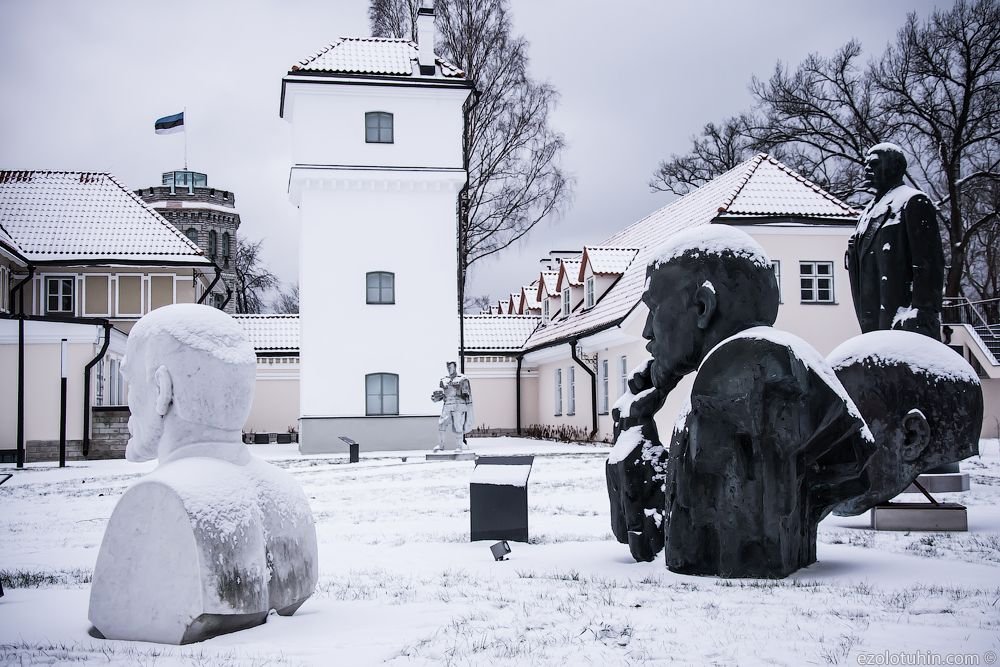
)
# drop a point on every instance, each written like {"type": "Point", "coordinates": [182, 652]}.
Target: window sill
{"type": "Point", "coordinates": [819, 303]}
{"type": "Point", "coordinates": [380, 303]}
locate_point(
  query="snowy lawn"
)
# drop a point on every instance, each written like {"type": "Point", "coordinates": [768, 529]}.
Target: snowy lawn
{"type": "Point", "coordinates": [400, 582]}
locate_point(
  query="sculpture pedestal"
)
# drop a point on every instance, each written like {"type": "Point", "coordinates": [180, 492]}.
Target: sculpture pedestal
{"type": "Point", "coordinates": [951, 482]}
{"type": "Point", "coordinates": [920, 516]}
{"type": "Point", "coordinates": [464, 455]}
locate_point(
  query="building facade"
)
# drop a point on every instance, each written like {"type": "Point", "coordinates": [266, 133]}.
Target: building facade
{"type": "Point", "coordinates": [208, 217]}
{"type": "Point", "coordinates": [378, 165]}
{"type": "Point", "coordinates": [82, 258]}
{"type": "Point", "coordinates": [567, 372]}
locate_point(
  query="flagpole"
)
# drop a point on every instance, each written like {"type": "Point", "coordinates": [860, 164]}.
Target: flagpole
{"type": "Point", "coordinates": [185, 140]}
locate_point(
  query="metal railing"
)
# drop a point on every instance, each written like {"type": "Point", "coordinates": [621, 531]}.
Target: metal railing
{"type": "Point", "coordinates": [983, 314]}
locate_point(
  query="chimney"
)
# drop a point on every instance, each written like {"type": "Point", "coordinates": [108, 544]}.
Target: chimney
{"type": "Point", "coordinates": [425, 38]}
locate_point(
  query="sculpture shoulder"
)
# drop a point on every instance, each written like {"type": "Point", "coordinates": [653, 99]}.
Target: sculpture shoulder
{"type": "Point", "coordinates": [731, 357]}
{"type": "Point", "coordinates": [217, 495]}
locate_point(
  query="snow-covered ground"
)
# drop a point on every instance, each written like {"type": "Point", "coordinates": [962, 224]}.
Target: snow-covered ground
{"type": "Point", "coordinates": [401, 583]}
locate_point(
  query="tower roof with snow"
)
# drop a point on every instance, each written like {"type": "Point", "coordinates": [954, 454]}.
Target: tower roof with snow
{"type": "Point", "coordinates": [374, 56]}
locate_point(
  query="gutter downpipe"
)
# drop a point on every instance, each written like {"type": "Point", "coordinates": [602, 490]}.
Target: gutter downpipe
{"type": "Point", "coordinates": [218, 276]}
{"type": "Point", "coordinates": [86, 386]}
{"type": "Point", "coordinates": [517, 392]}
{"type": "Point", "coordinates": [593, 386]}
{"type": "Point", "coordinates": [19, 288]}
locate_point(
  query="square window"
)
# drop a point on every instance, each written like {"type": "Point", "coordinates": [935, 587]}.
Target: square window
{"type": "Point", "coordinates": [816, 282]}
{"type": "Point", "coordinates": [380, 287]}
{"type": "Point", "coordinates": [59, 296]}
{"type": "Point", "coordinates": [378, 127]}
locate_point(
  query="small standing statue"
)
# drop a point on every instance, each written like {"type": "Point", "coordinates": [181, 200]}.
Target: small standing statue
{"type": "Point", "coordinates": [894, 258]}
{"type": "Point", "coordinates": [456, 414]}
{"type": "Point", "coordinates": [214, 538]}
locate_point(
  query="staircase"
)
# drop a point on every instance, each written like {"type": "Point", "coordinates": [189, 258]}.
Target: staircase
{"type": "Point", "coordinates": [982, 316]}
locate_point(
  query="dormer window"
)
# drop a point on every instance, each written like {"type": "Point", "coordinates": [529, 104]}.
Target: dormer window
{"type": "Point", "coordinates": [545, 310]}
{"type": "Point", "coordinates": [565, 302]}
{"type": "Point", "coordinates": [378, 127]}
{"type": "Point", "coordinates": [589, 292]}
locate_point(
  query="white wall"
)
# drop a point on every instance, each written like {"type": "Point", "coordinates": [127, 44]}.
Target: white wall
{"type": "Point", "coordinates": [375, 207]}
{"type": "Point", "coordinates": [328, 125]}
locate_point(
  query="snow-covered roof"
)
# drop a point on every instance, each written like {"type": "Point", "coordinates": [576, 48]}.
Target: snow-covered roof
{"type": "Point", "coordinates": [607, 261]}
{"type": "Point", "coordinates": [569, 272]}
{"type": "Point", "coordinates": [382, 56]}
{"type": "Point", "coordinates": [529, 296]}
{"type": "Point", "coordinates": [86, 216]}
{"type": "Point", "coordinates": [546, 279]}
{"type": "Point", "coordinates": [498, 333]}
{"type": "Point", "coordinates": [760, 187]}
{"type": "Point", "coordinates": [271, 333]}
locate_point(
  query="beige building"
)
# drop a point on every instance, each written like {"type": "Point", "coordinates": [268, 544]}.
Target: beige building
{"type": "Point", "coordinates": [583, 317]}
{"type": "Point", "coordinates": [82, 258]}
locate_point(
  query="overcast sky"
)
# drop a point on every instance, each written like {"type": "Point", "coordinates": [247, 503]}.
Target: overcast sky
{"type": "Point", "coordinates": [82, 83]}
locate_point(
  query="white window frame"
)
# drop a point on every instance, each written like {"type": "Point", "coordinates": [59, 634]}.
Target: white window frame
{"type": "Point", "coordinates": [623, 371]}
{"type": "Point", "coordinates": [571, 391]}
{"type": "Point", "coordinates": [378, 117]}
{"type": "Point", "coordinates": [566, 301]}
{"type": "Point", "coordinates": [118, 295]}
{"type": "Point", "coordinates": [776, 267]}
{"type": "Point", "coordinates": [809, 282]}
{"type": "Point", "coordinates": [59, 295]}
{"type": "Point", "coordinates": [589, 292]}
{"type": "Point", "coordinates": [4, 289]}
{"type": "Point", "coordinates": [558, 392]}
{"type": "Point", "coordinates": [545, 309]}
{"type": "Point", "coordinates": [381, 288]}
{"type": "Point", "coordinates": [382, 394]}
{"type": "Point", "coordinates": [604, 387]}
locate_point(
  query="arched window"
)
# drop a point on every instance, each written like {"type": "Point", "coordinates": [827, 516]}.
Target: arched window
{"type": "Point", "coordinates": [192, 234]}
{"type": "Point", "coordinates": [213, 244]}
{"type": "Point", "coordinates": [381, 287]}
{"type": "Point", "coordinates": [378, 127]}
{"type": "Point", "coordinates": [225, 249]}
{"type": "Point", "coordinates": [382, 394]}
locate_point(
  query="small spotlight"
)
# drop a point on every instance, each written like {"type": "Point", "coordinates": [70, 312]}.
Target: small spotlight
{"type": "Point", "coordinates": [500, 550]}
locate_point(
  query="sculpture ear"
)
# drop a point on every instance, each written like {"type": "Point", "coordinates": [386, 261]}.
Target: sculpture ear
{"type": "Point", "coordinates": [916, 435]}
{"type": "Point", "coordinates": [706, 303]}
{"type": "Point", "coordinates": [164, 387]}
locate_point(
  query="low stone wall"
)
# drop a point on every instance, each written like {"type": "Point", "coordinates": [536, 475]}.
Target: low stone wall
{"type": "Point", "coordinates": [108, 432]}
{"type": "Point", "coordinates": [108, 437]}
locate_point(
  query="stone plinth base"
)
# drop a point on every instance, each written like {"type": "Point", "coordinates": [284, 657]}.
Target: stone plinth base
{"type": "Point", "coordinates": [920, 516]}
{"type": "Point", "coordinates": [952, 482]}
{"type": "Point", "coordinates": [451, 456]}
{"type": "Point", "coordinates": [321, 435]}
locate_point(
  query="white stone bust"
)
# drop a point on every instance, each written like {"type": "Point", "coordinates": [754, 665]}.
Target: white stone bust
{"type": "Point", "coordinates": [214, 538]}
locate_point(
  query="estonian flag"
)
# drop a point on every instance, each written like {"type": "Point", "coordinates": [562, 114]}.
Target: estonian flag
{"type": "Point", "coordinates": [170, 124]}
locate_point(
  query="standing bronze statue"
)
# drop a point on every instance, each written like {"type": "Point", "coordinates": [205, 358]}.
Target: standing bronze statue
{"type": "Point", "coordinates": [894, 258]}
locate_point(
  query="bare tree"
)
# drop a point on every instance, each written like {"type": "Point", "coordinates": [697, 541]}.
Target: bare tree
{"type": "Point", "coordinates": [253, 279]}
{"type": "Point", "coordinates": [513, 155]}
{"type": "Point", "coordinates": [935, 91]}
{"type": "Point", "coordinates": [394, 18]}
{"type": "Point", "coordinates": [287, 302]}
{"type": "Point", "coordinates": [476, 304]}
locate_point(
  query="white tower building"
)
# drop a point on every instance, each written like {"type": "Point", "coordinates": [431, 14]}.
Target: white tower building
{"type": "Point", "coordinates": [378, 166]}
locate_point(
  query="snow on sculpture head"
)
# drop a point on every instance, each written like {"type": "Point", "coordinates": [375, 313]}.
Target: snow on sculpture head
{"type": "Point", "coordinates": [705, 284]}
{"type": "Point", "coordinates": [191, 373]}
{"type": "Point", "coordinates": [922, 401]}
{"type": "Point", "coordinates": [885, 165]}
